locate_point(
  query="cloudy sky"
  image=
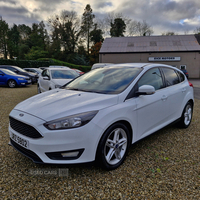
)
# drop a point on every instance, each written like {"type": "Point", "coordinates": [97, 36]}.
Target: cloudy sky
{"type": "Point", "coordinates": [179, 16]}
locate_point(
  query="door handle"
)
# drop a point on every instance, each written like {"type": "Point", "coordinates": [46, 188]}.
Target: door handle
{"type": "Point", "coordinates": [164, 97]}
{"type": "Point", "coordinates": [183, 90]}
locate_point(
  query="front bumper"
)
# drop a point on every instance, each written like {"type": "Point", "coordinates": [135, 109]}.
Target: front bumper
{"type": "Point", "coordinates": [79, 144]}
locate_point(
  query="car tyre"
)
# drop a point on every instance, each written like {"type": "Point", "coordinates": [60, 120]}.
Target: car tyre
{"type": "Point", "coordinates": [113, 147]}
{"type": "Point", "coordinates": [12, 84]}
{"type": "Point", "coordinates": [186, 117]}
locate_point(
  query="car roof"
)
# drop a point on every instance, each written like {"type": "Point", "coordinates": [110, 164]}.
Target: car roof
{"type": "Point", "coordinates": [58, 68]}
{"type": "Point", "coordinates": [138, 65]}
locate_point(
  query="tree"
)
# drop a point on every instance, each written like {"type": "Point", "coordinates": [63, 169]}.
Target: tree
{"type": "Point", "coordinates": [96, 35]}
{"type": "Point", "coordinates": [169, 33]}
{"type": "Point", "coordinates": [65, 32]}
{"type": "Point", "coordinates": [35, 53]}
{"type": "Point", "coordinates": [24, 32]}
{"type": "Point", "coordinates": [38, 36]}
{"type": "Point", "coordinates": [197, 30]}
{"type": "Point", "coordinates": [87, 24]}
{"type": "Point", "coordinates": [118, 28]}
{"type": "Point", "coordinates": [3, 37]}
{"type": "Point", "coordinates": [140, 28]}
{"type": "Point", "coordinates": [94, 56]}
{"type": "Point", "coordinates": [13, 41]}
{"type": "Point", "coordinates": [105, 24]}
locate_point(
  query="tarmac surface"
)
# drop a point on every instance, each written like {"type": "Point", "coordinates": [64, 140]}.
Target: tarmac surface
{"type": "Point", "coordinates": [196, 84]}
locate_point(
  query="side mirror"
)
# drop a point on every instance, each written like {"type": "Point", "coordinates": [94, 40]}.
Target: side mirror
{"type": "Point", "coordinates": [146, 90]}
{"type": "Point", "coordinates": [46, 78]}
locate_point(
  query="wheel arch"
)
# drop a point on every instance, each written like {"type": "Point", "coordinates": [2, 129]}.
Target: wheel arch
{"type": "Point", "coordinates": [11, 79]}
{"type": "Point", "coordinates": [124, 122]}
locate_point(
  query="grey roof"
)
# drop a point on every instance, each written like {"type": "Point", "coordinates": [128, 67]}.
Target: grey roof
{"type": "Point", "coordinates": [150, 44]}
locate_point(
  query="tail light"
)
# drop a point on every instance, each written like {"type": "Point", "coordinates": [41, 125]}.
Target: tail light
{"type": "Point", "coordinates": [190, 84]}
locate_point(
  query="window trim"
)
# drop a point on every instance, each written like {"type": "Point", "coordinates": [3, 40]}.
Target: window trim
{"type": "Point", "coordinates": [133, 91]}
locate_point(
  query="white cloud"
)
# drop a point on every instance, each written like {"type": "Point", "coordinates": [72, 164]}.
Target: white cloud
{"type": "Point", "coordinates": [165, 15]}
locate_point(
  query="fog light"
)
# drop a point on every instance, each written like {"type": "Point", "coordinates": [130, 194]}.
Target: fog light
{"type": "Point", "coordinates": [70, 154]}
{"type": "Point", "coordinates": [65, 155]}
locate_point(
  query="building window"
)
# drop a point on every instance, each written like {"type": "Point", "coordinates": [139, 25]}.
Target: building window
{"type": "Point", "coordinates": [182, 66]}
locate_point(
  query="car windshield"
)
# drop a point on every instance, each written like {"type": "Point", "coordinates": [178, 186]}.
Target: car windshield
{"type": "Point", "coordinates": [111, 80]}
{"type": "Point", "coordinates": [63, 74]}
{"type": "Point", "coordinates": [8, 72]}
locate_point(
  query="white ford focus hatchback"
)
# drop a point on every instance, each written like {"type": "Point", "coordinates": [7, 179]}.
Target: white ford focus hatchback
{"type": "Point", "coordinates": [97, 116]}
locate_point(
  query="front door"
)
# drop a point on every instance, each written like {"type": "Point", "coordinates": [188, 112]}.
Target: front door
{"type": "Point", "coordinates": [151, 109]}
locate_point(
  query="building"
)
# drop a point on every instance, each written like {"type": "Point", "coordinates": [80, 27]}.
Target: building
{"type": "Point", "coordinates": [181, 51]}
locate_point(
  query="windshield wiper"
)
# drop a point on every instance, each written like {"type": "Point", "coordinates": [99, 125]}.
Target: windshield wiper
{"type": "Point", "coordinates": [76, 89]}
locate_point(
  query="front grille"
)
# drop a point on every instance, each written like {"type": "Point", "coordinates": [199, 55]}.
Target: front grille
{"type": "Point", "coordinates": [26, 152]}
{"type": "Point", "coordinates": [24, 129]}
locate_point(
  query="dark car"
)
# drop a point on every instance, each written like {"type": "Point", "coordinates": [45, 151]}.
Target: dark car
{"type": "Point", "coordinates": [20, 71]}
{"type": "Point", "coordinates": [11, 79]}
{"type": "Point", "coordinates": [185, 72]}
{"type": "Point", "coordinates": [34, 70]}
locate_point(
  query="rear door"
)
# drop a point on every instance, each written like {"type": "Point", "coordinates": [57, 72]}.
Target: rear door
{"type": "Point", "coordinates": [176, 90]}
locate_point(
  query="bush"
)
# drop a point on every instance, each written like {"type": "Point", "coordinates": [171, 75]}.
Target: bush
{"type": "Point", "coordinates": [42, 62]}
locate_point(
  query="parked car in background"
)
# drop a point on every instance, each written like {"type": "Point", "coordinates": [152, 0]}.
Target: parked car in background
{"type": "Point", "coordinates": [20, 71]}
{"type": "Point", "coordinates": [11, 79]}
{"type": "Point", "coordinates": [97, 116]}
{"type": "Point", "coordinates": [99, 65]}
{"type": "Point", "coordinates": [185, 72]}
{"type": "Point", "coordinates": [78, 71]}
{"type": "Point", "coordinates": [52, 78]}
{"type": "Point", "coordinates": [42, 68]}
{"type": "Point", "coordinates": [57, 66]}
{"type": "Point", "coordinates": [34, 70]}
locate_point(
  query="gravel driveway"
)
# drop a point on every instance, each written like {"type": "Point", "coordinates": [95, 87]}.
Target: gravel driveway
{"type": "Point", "coordinates": [165, 165]}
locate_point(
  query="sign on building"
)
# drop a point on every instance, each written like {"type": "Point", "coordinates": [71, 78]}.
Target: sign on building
{"type": "Point", "coordinates": [164, 59]}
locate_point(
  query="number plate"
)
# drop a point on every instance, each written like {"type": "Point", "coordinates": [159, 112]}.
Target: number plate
{"type": "Point", "coordinates": [29, 81]}
{"type": "Point", "coordinates": [22, 142]}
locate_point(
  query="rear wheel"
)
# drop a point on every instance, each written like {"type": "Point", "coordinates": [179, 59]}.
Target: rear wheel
{"type": "Point", "coordinates": [113, 146]}
{"type": "Point", "coordinates": [12, 83]}
{"type": "Point", "coordinates": [186, 117]}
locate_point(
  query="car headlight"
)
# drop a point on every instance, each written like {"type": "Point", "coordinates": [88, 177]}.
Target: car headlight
{"type": "Point", "coordinates": [72, 121]}
{"type": "Point", "coordinates": [57, 86]}
{"type": "Point", "coordinates": [21, 79]}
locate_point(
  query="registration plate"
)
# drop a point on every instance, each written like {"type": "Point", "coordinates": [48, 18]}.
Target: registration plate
{"type": "Point", "coordinates": [22, 142]}
{"type": "Point", "coordinates": [29, 81]}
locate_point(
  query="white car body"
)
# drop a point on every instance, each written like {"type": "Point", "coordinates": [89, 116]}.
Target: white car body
{"type": "Point", "coordinates": [142, 115]}
{"type": "Point", "coordinates": [47, 82]}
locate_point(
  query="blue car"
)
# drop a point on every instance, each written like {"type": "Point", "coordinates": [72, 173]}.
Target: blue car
{"type": "Point", "coordinates": [11, 79]}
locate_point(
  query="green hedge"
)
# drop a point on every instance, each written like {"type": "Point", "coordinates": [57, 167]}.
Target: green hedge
{"type": "Point", "coordinates": [43, 62]}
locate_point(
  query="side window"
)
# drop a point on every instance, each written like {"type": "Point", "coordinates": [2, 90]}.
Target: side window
{"type": "Point", "coordinates": [152, 77]}
{"type": "Point", "coordinates": [181, 76]}
{"type": "Point", "coordinates": [171, 77]}
{"type": "Point", "coordinates": [45, 73]}
{"type": "Point", "coordinates": [11, 69]}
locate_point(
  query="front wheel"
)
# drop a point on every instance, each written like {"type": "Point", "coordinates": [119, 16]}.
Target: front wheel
{"type": "Point", "coordinates": [12, 83]}
{"type": "Point", "coordinates": [186, 117]}
{"type": "Point", "coordinates": [113, 146]}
